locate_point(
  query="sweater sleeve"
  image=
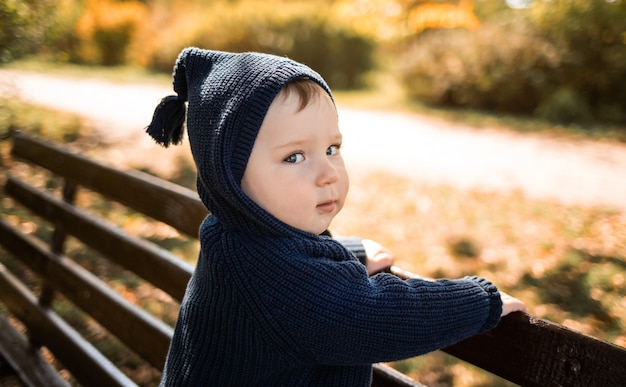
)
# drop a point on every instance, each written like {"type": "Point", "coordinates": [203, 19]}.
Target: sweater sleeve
{"type": "Point", "coordinates": [355, 246]}
{"type": "Point", "coordinates": [331, 312]}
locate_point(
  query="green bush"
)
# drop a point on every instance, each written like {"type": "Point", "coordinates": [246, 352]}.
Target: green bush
{"type": "Point", "coordinates": [339, 54]}
{"type": "Point", "coordinates": [151, 33]}
{"type": "Point", "coordinates": [561, 60]}
{"type": "Point", "coordinates": [17, 115]}
{"type": "Point", "coordinates": [303, 31]}
{"type": "Point", "coordinates": [501, 68]}
{"type": "Point", "coordinates": [61, 41]}
{"type": "Point", "coordinates": [592, 37]}
{"type": "Point", "coordinates": [23, 25]}
{"type": "Point", "coordinates": [565, 105]}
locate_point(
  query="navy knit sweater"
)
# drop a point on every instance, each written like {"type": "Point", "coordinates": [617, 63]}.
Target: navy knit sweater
{"type": "Point", "coordinates": [303, 312]}
{"type": "Point", "coordinates": [271, 305]}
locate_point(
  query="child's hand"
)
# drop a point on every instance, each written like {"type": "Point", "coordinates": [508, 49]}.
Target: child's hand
{"type": "Point", "coordinates": [511, 304]}
{"type": "Point", "coordinates": [378, 258]}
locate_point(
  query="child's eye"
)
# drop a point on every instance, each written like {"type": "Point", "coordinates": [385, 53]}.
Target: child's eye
{"type": "Point", "coordinates": [294, 158]}
{"type": "Point", "coordinates": [333, 150]}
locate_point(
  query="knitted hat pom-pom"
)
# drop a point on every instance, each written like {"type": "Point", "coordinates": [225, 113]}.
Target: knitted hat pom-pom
{"type": "Point", "coordinates": [168, 120]}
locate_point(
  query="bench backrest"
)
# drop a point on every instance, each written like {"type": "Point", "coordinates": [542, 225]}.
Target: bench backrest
{"type": "Point", "coordinates": [141, 331]}
{"type": "Point", "coordinates": [523, 349]}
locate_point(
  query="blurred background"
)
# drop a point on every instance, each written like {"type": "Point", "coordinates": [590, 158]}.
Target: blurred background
{"type": "Point", "coordinates": [559, 60]}
{"type": "Point", "coordinates": [521, 76]}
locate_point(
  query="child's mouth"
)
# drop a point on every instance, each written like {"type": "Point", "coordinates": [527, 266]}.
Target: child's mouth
{"type": "Point", "coordinates": [328, 206]}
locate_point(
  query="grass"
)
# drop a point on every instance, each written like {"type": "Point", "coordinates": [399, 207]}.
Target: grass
{"type": "Point", "coordinates": [59, 126]}
{"type": "Point", "coordinates": [566, 262]}
{"type": "Point", "coordinates": [117, 74]}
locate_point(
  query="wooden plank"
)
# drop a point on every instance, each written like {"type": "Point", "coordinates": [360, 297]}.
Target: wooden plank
{"type": "Point", "coordinates": [170, 203]}
{"type": "Point", "coordinates": [27, 362]}
{"type": "Point", "coordinates": [154, 264]}
{"type": "Point", "coordinates": [85, 363]}
{"type": "Point", "coordinates": [534, 352]}
{"type": "Point", "coordinates": [140, 331]}
{"type": "Point", "coordinates": [522, 349]}
{"type": "Point", "coordinates": [385, 376]}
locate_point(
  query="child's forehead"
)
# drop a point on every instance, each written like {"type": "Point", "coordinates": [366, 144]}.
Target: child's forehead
{"type": "Point", "coordinates": [297, 105]}
{"type": "Point", "coordinates": [292, 101]}
{"type": "Point", "coordinates": [287, 114]}
{"type": "Point", "coordinates": [300, 98]}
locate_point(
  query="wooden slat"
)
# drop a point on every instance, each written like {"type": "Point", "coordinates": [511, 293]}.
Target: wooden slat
{"type": "Point", "coordinates": [385, 376]}
{"type": "Point", "coordinates": [140, 331]}
{"type": "Point", "coordinates": [534, 352]}
{"type": "Point", "coordinates": [156, 265]}
{"type": "Point", "coordinates": [85, 363]}
{"type": "Point", "coordinates": [27, 362]}
{"type": "Point", "coordinates": [157, 198]}
{"type": "Point", "coordinates": [522, 349]}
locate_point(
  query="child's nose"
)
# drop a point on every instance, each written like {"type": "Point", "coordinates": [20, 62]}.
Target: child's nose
{"type": "Point", "coordinates": [327, 174]}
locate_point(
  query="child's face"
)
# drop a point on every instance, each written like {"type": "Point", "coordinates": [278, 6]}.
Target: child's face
{"type": "Point", "coordinates": [296, 171]}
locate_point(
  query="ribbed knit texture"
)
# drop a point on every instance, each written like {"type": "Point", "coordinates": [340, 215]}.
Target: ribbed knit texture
{"type": "Point", "coordinates": [278, 311]}
{"type": "Point", "coordinates": [268, 304]}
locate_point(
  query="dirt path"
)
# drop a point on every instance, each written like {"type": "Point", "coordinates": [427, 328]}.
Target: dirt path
{"type": "Point", "coordinates": [571, 171]}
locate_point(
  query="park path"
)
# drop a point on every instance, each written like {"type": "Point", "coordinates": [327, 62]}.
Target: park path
{"type": "Point", "coordinates": [577, 172]}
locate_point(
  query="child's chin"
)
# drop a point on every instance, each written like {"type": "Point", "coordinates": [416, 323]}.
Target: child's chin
{"type": "Point", "coordinates": [316, 230]}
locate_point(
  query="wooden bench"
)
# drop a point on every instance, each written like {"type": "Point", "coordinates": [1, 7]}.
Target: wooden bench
{"type": "Point", "coordinates": [68, 318]}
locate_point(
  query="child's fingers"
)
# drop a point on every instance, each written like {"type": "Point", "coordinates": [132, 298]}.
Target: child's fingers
{"type": "Point", "coordinates": [511, 304]}
{"type": "Point", "coordinates": [378, 258]}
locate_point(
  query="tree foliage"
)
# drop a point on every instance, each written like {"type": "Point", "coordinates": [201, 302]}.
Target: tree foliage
{"type": "Point", "coordinates": [304, 31]}
{"type": "Point", "coordinates": [560, 60]}
{"type": "Point", "coordinates": [23, 25]}
{"type": "Point", "coordinates": [591, 36]}
{"type": "Point", "coordinates": [563, 60]}
{"type": "Point", "coordinates": [106, 30]}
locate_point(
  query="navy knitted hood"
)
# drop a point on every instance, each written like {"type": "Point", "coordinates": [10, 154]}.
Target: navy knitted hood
{"type": "Point", "coordinates": [228, 96]}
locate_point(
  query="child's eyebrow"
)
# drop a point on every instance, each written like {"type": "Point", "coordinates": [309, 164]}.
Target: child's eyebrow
{"type": "Point", "coordinates": [298, 143]}
{"type": "Point", "coordinates": [290, 145]}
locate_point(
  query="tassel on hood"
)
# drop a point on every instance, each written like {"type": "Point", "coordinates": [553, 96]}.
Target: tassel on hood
{"type": "Point", "coordinates": [168, 121]}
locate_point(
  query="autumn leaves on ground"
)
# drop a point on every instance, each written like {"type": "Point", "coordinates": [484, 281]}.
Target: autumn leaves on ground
{"type": "Point", "coordinates": [567, 263]}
